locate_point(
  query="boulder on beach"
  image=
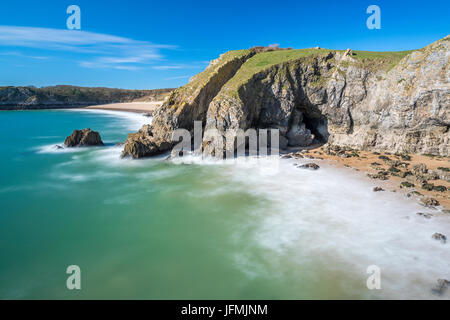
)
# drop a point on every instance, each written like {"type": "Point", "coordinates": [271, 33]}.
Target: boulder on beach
{"type": "Point", "coordinates": [441, 287]}
{"type": "Point", "coordinates": [83, 138]}
{"type": "Point", "coordinates": [425, 215]}
{"type": "Point", "coordinates": [440, 237]}
{"type": "Point", "coordinates": [430, 202]}
{"type": "Point", "coordinates": [312, 166]}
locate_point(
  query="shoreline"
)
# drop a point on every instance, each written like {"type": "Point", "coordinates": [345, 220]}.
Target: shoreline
{"type": "Point", "coordinates": [396, 172]}
{"type": "Point", "coordinates": [135, 107]}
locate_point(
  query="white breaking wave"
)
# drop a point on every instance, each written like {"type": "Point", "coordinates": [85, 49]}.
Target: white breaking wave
{"type": "Point", "coordinates": [133, 121]}
{"type": "Point", "coordinates": [331, 219]}
{"type": "Point", "coordinates": [120, 121]}
{"type": "Point", "coordinates": [58, 148]}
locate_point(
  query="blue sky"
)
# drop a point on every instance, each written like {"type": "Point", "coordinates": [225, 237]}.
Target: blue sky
{"type": "Point", "coordinates": [140, 44]}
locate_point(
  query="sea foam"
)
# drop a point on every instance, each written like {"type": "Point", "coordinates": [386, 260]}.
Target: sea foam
{"type": "Point", "coordinates": [330, 222]}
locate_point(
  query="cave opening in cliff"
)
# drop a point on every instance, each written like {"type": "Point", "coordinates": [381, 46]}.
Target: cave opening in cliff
{"type": "Point", "coordinates": [307, 126]}
{"type": "Point", "coordinates": [318, 127]}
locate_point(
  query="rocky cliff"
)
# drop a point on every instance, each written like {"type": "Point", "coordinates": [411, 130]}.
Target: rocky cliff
{"type": "Point", "coordinates": [378, 101]}
{"type": "Point", "coordinates": [70, 96]}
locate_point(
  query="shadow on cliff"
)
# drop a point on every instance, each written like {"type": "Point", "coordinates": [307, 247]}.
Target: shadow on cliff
{"type": "Point", "coordinates": [287, 107]}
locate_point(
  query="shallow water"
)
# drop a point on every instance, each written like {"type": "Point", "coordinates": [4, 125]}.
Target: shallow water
{"type": "Point", "coordinates": [197, 229]}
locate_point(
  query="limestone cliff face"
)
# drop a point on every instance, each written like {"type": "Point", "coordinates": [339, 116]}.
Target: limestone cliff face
{"type": "Point", "coordinates": [361, 100]}
{"type": "Point", "coordinates": [406, 109]}
{"type": "Point", "coordinates": [184, 106]}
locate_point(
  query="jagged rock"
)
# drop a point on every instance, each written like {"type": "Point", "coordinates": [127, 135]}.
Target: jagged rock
{"type": "Point", "coordinates": [419, 169]}
{"type": "Point", "coordinates": [428, 186]}
{"type": "Point", "coordinates": [143, 144]}
{"type": "Point", "coordinates": [416, 193]}
{"type": "Point", "coordinates": [440, 188]}
{"type": "Point", "coordinates": [432, 175]}
{"type": "Point", "coordinates": [394, 170]}
{"type": "Point", "coordinates": [441, 287]}
{"type": "Point", "coordinates": [439, 237]}
{"type": "Point", "coordinates": [415, 179]}
{"type": "Point", "coordinates": [312, 166]}
{"type": "Point", "coordinates": [298, 135]}
{"type": "Point", "coordinates": [430, 202]}
{"type": "Point", "coordinates": [381, 175]}
{"type": "Point", "coordinates": [406, 184]}
{"type": "Point", "coordinates": [83, 138]}
{"type": "Point", "coordinates": [377, 189]}
{"type": "Point", "coordinates": [405, 157]}
{"type": "Point", "coordinates": [425, 215]}
{"type": "Point", "coordinates": [444, 173]}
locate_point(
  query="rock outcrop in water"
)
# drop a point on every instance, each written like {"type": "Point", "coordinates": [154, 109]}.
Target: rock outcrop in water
{"type": "Point", "coordinates": [83, 138]}
{"type": "Point", "coordinates": [377, 101]}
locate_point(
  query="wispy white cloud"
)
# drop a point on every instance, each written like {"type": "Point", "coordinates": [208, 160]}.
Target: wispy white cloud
{"type": "Point", "coordinates": [99, 65]}
{"type": "Point", "coordinates": [177, 78]}
{"type": "Point", "coordinates": [194, 65]}
{"type": "Point", "coordinates": [97, 50]}
{"type": "Point", "coordinates": [21, 55]}
{"type": "Point", "coordinates": [169, 67]}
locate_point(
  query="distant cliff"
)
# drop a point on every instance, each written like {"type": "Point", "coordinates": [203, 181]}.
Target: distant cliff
{"type": "Point", "coordinates": [379, 101]}
{"type": "Point", "coordinates": [12, 98]}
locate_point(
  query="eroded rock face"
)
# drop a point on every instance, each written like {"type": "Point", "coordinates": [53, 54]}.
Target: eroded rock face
{"type": "Point", "coordinates": [298, 135]}
{"type": "Point", "coordinates": [327, 97]}
{"type": "Point", "coordinates": [83, 138]}
{"type": "Point", "coordinates": [184, 106]}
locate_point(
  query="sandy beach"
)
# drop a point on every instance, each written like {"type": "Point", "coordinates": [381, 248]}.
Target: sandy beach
{"type": "Point", "coordinates": [138, 107]}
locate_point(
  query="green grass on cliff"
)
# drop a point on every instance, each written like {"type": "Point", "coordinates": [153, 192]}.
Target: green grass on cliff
{"type": "Point", "coordinates": [265, 60]}
{"type": "Point", "coordinates": [202, 78]}
{"type": "Point", "coordinates": [380, 60]}
{"type": "Point", "coordinates": [366, 59]}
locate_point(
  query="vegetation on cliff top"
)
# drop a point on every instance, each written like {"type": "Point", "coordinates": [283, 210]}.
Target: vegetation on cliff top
{"type": "Point", "coordinates": [201, 79]}
{"type": "Point", "coordinates": [384, 61]}
{"type": "Point", "coordinates": [366, 59]}
{"type": "Point", "coordinates": [266, 60]}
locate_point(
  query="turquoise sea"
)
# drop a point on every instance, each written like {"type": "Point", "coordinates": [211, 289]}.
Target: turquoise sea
{"type": "Point", "coordinates": [196, 229]}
